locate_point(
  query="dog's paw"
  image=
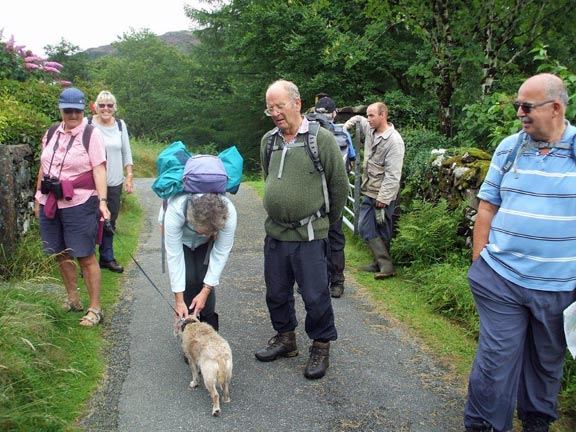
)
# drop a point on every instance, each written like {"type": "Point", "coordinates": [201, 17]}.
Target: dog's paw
{"type": "Point", "coordinates": [193, 384]}
{"type": "Point", "coordinates": [216, 413]}
{"type": "Point", "coordinates": [227, 400]}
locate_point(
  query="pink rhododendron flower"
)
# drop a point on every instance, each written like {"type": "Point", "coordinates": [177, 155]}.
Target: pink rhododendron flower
{"type": "Point", "coordinates": [31, 66]}
{"type": "Point", "coordinates": [33, 58]}
{"type": "Point", "coordinates": [53, 64]}
{"type": "Point", "coordinates": [10, 43]}
{"type": "Point", "coordinates": [51, 69]}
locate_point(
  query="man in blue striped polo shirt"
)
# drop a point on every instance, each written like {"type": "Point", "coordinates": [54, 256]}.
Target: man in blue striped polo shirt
{"type": "Point", "coordinates": [524, 270]}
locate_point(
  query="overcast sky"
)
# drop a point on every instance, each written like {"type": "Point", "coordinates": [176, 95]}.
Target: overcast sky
{"type": "Point", "coordinates": [37, 23]}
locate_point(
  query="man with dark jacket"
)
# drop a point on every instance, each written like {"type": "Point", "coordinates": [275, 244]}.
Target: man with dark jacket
{"type": "Point", "coordinates": [299, 215]}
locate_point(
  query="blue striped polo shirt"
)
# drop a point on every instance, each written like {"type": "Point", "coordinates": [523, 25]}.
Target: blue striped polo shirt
{"type": "Point", "coordinates": [532, 240]}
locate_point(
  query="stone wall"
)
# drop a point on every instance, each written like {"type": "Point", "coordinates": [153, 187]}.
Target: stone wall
{"type": "Point", "coordinates": [16, 196]}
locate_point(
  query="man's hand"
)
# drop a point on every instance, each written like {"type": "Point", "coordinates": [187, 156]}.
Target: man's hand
{"type": "Point", "coordinates": [380, 212]}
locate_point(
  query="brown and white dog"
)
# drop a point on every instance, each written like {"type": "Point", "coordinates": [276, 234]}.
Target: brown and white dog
{"type": "Point", "coordinates": [208, 353]}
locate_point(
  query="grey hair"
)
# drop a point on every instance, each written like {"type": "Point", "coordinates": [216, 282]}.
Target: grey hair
{"type": "Point", "coordinates": [290, 87]}
{"type": "Point", "coordinates": [208, 211]}
{"type": "Point", "coordinates": [555, 89]}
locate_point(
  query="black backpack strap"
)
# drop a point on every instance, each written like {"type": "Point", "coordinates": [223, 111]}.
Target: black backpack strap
{"type": "Point", "coordinates": [51, 130]}
{"type": "Point", "coordinates": [269, 148]}
{"type": "Point", "coordinates": [119, 123]}
{"type": "Point", "coordinates": [86, 136]}
{"type": "Point", "coordinates": [311, 146]}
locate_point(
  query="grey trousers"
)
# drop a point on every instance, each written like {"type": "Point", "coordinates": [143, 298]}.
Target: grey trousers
{"type": "Point", "coordinates": [521, 350]}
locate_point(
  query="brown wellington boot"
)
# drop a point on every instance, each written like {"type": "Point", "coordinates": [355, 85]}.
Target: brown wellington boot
{"type": "Point", "coordinates": [318, 361]}
{"type": "Point", "coordinates": [281, 345]}
{"type": "Point", "coordinates": [380, 251]}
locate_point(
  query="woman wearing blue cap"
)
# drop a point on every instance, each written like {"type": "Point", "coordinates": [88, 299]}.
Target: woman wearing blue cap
{"type": "Point", "coordinates": [70, 200]}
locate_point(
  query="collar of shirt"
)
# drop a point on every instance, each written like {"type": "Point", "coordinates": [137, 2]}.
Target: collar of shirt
{"type": "Point", "coordinates": [304, 128]}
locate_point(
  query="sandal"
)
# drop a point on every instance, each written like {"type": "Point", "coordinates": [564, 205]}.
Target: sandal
{"type": "Point", "coordinates": [70, 306]}
{"type": "Point", "coordinates": [93, 320]}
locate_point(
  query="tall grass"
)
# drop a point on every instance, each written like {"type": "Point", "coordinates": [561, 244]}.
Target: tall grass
{"type": "Point", "coordinates": [49, 364]}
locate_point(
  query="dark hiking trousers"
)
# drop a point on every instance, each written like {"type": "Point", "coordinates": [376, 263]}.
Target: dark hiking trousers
{"type": "Point", "coordinates": [337, 259]}
{"type": "Point", "coordinates": [367, 226]}
{"type": "Point", "coordinates": [106, 249]}
{"type": "Point", "coordinates": [521, 349]}
{"type": "Point", "coordinates": [195, 272]}
{"type": "Point", "coordinates": [305, 263]}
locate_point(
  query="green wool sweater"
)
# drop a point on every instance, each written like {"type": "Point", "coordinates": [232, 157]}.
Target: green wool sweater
{"type": "Point", "coordinates": [298, 193]}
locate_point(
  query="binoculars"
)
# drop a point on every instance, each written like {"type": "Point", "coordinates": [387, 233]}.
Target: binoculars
{"type": "Point", "coordinates": [51, 184]}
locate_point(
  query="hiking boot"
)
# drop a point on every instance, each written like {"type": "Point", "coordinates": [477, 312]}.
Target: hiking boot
{"type": "Point", "coordinates": [536, 422]}
{"type": "Point", "coordinates": [281, 345]}
{"type": "Point", "coordinates": [318, 360]}
{"type": "Point", "coordinates": [112, 266]}
{"type": "Point", "coordinates": [336, 290]}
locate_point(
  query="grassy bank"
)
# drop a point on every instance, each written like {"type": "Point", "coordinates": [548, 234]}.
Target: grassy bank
{"type": "Point", "coordinates": [49, 364]}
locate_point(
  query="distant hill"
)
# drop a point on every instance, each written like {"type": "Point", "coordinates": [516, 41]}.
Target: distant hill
{"type": "Point", "coordinates": [183, 40]}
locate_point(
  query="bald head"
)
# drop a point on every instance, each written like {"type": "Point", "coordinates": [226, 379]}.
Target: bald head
{"type": "Point", "coordinates": [542, 101]}
{"type": "Point", "coordinates": [551, 85]}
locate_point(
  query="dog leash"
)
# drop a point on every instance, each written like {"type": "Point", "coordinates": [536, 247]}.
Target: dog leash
{"type": "Point", "coordinates": [109, 227]}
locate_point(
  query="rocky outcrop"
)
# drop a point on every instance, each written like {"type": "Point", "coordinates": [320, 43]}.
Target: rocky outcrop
{"type": "Point", "coordinates": [16, 196]}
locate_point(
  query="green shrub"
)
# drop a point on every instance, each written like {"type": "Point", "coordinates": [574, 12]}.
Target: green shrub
{"type": "Point", "coordinates": [21, 124]}
{"type": "Point", "coordinates": [419, 143]}
{"type": "Point", "coordinates": [427, 235]}
{"type": "Point", "coordinates": [445, 287]}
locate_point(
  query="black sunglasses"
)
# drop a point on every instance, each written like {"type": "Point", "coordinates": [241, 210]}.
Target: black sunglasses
{"type": "Point", "coordinates": [105, 105]}
{"type": "Point", "coordinates": [72, 111]}
{"type": "Point", "coordinates": [527, 107]}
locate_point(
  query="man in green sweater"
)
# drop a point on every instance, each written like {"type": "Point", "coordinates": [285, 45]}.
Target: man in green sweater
{"type": "Point", "coordinates": [299, 215]}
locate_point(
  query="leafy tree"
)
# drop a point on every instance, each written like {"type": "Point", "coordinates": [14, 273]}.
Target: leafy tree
{"type": "Point", "coordinates": [75, 63]}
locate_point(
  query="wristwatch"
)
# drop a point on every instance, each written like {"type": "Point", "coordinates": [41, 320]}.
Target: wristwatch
{"type": "Point", "coordinates": [104, 199]}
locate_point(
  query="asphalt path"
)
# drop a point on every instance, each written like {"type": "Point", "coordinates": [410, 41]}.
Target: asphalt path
{"type": "Point", "coordinates": [378, 380]}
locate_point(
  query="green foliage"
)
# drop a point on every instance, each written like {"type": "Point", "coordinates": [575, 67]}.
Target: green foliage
{"type": "Point", "coordinates": [28, 261]}
{"type": "Point", "coordinates": [445, 287]}
{"type": "Point", "coordinates": [427, 235]}
{"type": "Point", "coordinates": [488, 121]}
{"type": "Point", "coordinates": [11, 66]}
{"type": "Point", "coordinates": [75, 64]}
{"type": "Point", "coordinates": [49, 364]}
{"type": "Point", "coordinates": [568, 390]}
{"type": "Point", "coordinates": [41, 369]}
{"type": "Point", "coordinates": [419, 143]}
{"type": "Point", "coordinates": [21, 123]}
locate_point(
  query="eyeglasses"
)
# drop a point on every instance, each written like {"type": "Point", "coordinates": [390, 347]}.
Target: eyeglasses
{"type": "Point", "coordinates": [72, 111]}
{"type": "Point", "coordinates": [528, 107]}
{"type": "Point", "coordinates": [279, 108]}
{"type": "Point", "coordinates": [102, 106]}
